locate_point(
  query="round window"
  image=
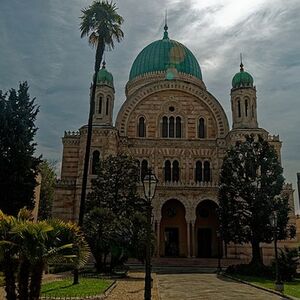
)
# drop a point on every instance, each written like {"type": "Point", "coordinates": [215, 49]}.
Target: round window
{"type": "Point", "coordinates": [172, 108]}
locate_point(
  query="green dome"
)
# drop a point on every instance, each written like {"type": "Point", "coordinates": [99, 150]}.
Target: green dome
{"type": "Point", "coordinates": [242, 79]}
{"type": "Point", "coordinates": [104, 76]}
{"type": "Point", "coordinates": [163, 54]}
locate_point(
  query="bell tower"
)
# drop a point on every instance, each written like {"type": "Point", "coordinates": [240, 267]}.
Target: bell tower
{"type": "Point", "coordinates": [105, 97]}
{"type": "Point", "coordinates": [243, 101]}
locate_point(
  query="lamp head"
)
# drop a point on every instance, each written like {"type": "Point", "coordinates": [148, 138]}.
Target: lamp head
{"type": "Point", "coordinates": [149, 184]}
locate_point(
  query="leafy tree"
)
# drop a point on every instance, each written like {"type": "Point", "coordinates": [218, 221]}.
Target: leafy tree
{"type": "Point", "coordinates": [250, 190]}
{"type": "Point", "coordinates": [18, 166]}
{"type": "Point", "coordinates": [115, 215]}
{"type": "Point", "coordinates": [99, 228]}
{"type": "Point", "coordinates": [27, 246]}
{"type": "Point", "coordinates": [47, 171]}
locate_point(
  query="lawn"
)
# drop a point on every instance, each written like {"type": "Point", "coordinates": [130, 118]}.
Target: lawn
{"type": "Point", "coordinates": [290, 288]}
{"type": "Point", "coordinates": [65, 288]}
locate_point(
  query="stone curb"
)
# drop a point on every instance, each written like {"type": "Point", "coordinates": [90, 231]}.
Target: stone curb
{"type": "Point", "coordinates": [259, 287]}
{"type": "Point", "coordinates": [110, 288]}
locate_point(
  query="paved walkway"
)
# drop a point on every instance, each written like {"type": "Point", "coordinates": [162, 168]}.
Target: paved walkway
{"type": "Point", "coordinates": [207, 287]}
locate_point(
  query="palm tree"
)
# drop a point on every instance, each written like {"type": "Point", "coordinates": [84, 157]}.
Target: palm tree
{"type": "Point", "coordinates": [27, 247]}
{"type": "Point", "coordinates": [46, 242]}
{"type": "Point", "coordinates": [8, 251]}
{"type": "Point", "coordinates": [102, 25]}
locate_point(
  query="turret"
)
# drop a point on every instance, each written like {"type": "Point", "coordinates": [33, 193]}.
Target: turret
{"type": "Point", "coordinates": [243, 101]}
{"type": "Point", "coordinates": [105, 97]}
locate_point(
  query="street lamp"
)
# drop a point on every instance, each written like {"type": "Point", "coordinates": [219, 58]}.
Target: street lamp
{"type": "Point", "coordinates": [278, 283]}
{"type": "Point", "coordinates": [219, 270]}
{"type": "Point", "coordinates": [149, 184]}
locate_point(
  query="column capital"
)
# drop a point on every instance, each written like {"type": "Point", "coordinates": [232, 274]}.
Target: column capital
{"type": "Point", "coordinates": [192, 221]}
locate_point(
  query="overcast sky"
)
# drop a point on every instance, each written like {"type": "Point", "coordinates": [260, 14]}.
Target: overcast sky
{"type": "Point", "coordinates": [40, 42]}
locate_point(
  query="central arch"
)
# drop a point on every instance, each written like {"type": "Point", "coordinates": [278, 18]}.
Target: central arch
{"type": "Point", "coordinates": [173, 233]}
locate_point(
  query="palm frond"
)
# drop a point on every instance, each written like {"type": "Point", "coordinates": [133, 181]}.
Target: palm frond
{"type": "Point", "coordinates": [100, 21]}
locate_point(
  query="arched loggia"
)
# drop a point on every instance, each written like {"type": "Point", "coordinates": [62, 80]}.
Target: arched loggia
{"type": "Point", "coordinates": [173, 229]}
{"type": "Point", "coordinates": [206, 226]}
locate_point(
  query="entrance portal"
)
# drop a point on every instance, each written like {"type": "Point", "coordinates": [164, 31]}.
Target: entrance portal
{"type": "Point", "coordinates": [171, 242]}
{"type": "Point", "coordinates": [206, 227]}
{"type": "Point", "coordinates": [204, 242]}
{"type": "Point", "coordinates": [173, 230]}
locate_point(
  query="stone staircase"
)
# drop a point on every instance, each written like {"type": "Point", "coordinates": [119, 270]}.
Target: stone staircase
{"type": "Point", "coordinates": [184, 265]}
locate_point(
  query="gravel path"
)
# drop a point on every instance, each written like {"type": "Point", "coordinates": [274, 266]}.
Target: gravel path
{"type": "Point", "coordinates": [2, 293]}
{"type": "Point", "coordinates": [132, 288]}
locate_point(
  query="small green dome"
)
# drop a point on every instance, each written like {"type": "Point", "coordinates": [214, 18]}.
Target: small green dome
{"type": "Point", "coordinates": [164, 54]}
{"type": "Point", "coordinates": [104, 76]}
{"type": "Point", "coordinates": [242, 79]}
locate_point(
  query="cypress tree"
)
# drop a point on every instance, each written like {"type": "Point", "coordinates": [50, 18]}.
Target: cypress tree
{"type": "Point", "coordinates": [18, 166]}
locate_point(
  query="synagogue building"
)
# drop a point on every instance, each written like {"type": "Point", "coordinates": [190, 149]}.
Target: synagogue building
{"type": "Point", "coordinates": [173, 124]}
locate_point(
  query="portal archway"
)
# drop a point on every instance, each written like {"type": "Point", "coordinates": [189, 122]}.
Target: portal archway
{"type": "Point", "coordinates": [206, 227]}
{"type": "Point", "coordinates": [173, 235]}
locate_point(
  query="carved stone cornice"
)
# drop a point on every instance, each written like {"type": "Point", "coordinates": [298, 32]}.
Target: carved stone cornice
{"type": "Point", "coordinates": [151, 77]}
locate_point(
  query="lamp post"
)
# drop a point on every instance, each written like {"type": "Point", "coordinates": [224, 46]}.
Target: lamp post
{"type": "Point", "coordinates": [278, 283]}
{"type": "Point", "coordinates": [149, 184]}
{"type": "Point", "coordinates": [219, 270]}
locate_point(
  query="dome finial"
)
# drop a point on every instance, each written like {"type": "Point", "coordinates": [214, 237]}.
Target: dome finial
{"type": "Point", "coordinates": [166, 36]}
{"type": "Point", "coordinates": [241, 65]}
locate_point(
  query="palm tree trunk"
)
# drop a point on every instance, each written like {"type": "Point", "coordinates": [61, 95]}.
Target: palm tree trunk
{"type": "Point", "coordinates": [10, 281]}
{"type": "Point", "coordinates": [98, 59]}
{"type": "Point", "coordinates": [36, 281]}
{"type": "Point", "coordinates": [23, 280]}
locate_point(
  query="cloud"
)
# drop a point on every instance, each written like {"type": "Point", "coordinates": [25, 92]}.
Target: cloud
{"type": "Point", "coordinates": [40, 43]}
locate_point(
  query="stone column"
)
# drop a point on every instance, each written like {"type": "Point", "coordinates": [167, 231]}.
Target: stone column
{"type": "Point", "coordinates": [188, 239]}
{"type": "Point", "coordinates": [193, 238]}
{"type": "Point", "coordinates": [158, 238]}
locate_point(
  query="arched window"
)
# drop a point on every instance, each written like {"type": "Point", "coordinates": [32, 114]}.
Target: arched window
{"type": "Point", "coordinates": [252, 111]}
{"type": "Point", "coordinates": [167, 170]}
{"type": "Point", "coordinates": [144, 169]}
{"type": "Point", "coordinates": [178, 127]}
{"type": "Point", "coordinates": [100, 104]}
{"type": "Point", "coordinates": [198, 171]}
{"type": "Point", "coordinates": [206, 171]}
{"type": "Point", "coordinates": [246, 107]}
{"type": "Point", "coordinates": [107, 105]}
{"type": "Point", "coordinates": [95, 161]}
{"type": "Point", "coordinates": [239, 108]}
{"type": "Point", "coordinates": [175, 170]}
{"type": "Point", "coordinates": [201, 129]}
{"type": "Point", "coordinates": [141, 127]}
{"type": "Point", "coordinates": [171, 127]}
{"type": "Point", "coordinates": [165, 127]}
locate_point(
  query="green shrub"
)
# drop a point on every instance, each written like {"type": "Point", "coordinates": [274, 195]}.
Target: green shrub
{"type": "Point", "coordinates": [288, 260]}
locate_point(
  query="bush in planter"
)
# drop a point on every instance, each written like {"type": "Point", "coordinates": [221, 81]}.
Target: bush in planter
{"type": "Point", "coordinates": [288, 260]}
